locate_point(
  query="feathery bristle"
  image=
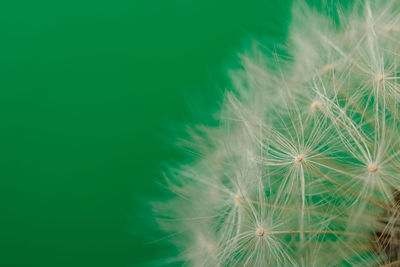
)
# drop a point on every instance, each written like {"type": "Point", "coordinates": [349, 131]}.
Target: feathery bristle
{"type": "Point", "coordinates": [304, 169]}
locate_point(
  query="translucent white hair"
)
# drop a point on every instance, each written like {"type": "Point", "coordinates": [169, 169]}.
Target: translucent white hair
{"type": "Point", "coordinates": [304, 168]}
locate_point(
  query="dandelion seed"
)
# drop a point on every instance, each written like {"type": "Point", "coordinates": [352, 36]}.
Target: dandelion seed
{"type": "Point", "coordinates": [373, 167]}
{"type": "Point", "coordinates": [260, 232]}
{"type": "Point", "coordinates": [274, 185]}
{"type": "Point", "coordinates": [299, 159]}
{"type": "Point", "coordinates": [315, 105]}
{"type": "Point", "coordinates": [238, 198]}
{"type": "Point", "coordinates": [380, 78]}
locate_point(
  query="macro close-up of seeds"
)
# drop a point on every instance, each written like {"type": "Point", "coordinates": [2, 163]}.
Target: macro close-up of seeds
{"type": "Point", "coordinates": [303, 168]}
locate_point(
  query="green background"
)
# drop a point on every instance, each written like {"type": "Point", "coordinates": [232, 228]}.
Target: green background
{"type": "Point", "coordinates": [92, 94]}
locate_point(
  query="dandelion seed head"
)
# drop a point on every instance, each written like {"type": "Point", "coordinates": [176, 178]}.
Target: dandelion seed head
{"type": "Point", "coordinates": [315, 105]}
{"type": "Point", "coordinates": [299, 158]}
{"type": "Point", "coordinates": [238, 198]}
{"type": "Point", "coordinates": [373, 167]}
{"type": "Point", "coordinates": [274, 184]}
{"type": "Point", "coordinates": [380, 78]}
{"type": "Point", "coordinates": [260, 232]}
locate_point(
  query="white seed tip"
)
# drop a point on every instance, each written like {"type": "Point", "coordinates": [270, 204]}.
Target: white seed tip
{"type": "Point", "coordinates": [299, 159]}
{"type": "Point", "coordinates": [315, 105]}
{"type": "Point", "coordinates": [260, 232]}
{"type": "Point", "coordinates": [380, 78]}
{"type": "Point", "coordinates": [373, 167]}
{"type": "Point", "coordinates": [237, 198]}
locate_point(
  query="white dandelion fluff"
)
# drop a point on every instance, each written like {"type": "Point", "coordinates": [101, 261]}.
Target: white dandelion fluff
{"type": "Point", "coordinates": [304, 168]}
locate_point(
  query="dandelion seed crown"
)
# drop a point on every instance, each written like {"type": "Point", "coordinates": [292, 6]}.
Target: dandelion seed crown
{"type": "Point", "coordinates": [304, 169]}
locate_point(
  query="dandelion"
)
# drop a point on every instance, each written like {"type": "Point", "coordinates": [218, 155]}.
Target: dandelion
{"type": "Point", "coordinates": [304, 168]}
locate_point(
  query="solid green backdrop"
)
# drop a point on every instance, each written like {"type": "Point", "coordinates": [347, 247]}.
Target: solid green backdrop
{"type": "Point", "coordinates": [91, 94]}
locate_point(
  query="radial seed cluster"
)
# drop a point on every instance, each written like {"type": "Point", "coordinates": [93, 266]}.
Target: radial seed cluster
{"type": "Point", "coordinates": [304, 168]}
